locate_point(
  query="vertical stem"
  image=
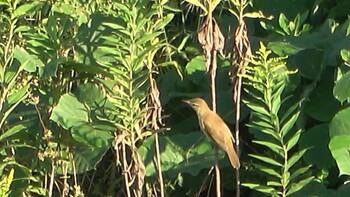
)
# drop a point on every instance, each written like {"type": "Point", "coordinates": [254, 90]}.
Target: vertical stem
{"type": "Point", "coordinates": [213, 96]}
{"type": "Point", "coordinates": [159, 167]}
{"type": "Point", "coordinates": [238, 114]}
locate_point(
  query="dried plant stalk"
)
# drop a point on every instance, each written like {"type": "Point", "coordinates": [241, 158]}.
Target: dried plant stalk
{"type": "Point", "coordinates": [212, 41]}
{"type": "Point", "coordinates": [243, 51]}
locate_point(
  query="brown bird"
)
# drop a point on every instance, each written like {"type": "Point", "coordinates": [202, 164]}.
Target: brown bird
{"type": "Point", "coordinates": [215, 128]}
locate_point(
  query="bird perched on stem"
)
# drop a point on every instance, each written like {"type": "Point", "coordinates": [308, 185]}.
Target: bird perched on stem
{"type": "Point", "coordinates": [215, 128]}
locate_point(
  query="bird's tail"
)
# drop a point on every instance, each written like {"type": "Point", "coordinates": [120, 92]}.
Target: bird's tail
{"type": "Point", "coordinates": [232, 155]}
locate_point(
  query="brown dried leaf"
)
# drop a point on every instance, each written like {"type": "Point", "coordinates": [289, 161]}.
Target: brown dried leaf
{"type": "Point", "coordinates": [212, 40]}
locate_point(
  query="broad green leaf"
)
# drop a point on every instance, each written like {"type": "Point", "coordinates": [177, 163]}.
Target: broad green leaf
{"type": "Point", "coordinates": [86, 159]}
{"type": "Point", "coordinates": [189, 153]}
{"type": "Point", "coordinates": [195, 70]}
{"type": "Point", "coordinates": [284, 48]}
{"type": "Point", "coordinates": [321, 104]}
{"type": "Point", "coordinates": [341, 89]}
{"type": "Point", "coordinates": [308, 66]}
{"type": "Point", "coordinates": [318, 153]}
{"type": "Point", "coordinates": [90, 136]}
{"type": "Point", "coordinates": [266, 160]}
{"type": "Point", "coordinates": [90, 94]}
{"type": "Point", "coordinates": [295, 157]}
{"type": "Point", "coordinates": [340, 149]}
{"type": "Point", "coordinates": [345, 55]}
{"type": "Point", "coordinates": [69, 112]}
{"type": "Point", "coordinates": [340, 124]}
{"type": "Point", "coordinates": [30, 61]}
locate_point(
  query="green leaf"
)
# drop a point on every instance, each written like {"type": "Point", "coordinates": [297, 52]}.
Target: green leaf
{"type": "Point", "coordinates": [147, 37]}
{"type": "Point", "coordinates": [297, 186]}
{"type": "Point", "coordinates": [29, 8]}
{"type": "Point", "coordinates": [268, 131]}
{"type": "Point", "coordinates": [345, 55]}
{"type": "Point", "coordinates": [18, 95]}
{"type": "Point", "coordinates": [274, 183]}
{"type": "Point", "coordinates": [266, 160]}
{"type": "Point", "coordinates": [12, 131]}
{"type": "Point", "coordinates": [258, 109]}
{"type": "Point", "coordinates": [340, 149]}
{"type": "Point", "coordinates": [92, 137]}
{"type": "Point", "coordinates": [261, 188]}
{"type": "Point", "coordinates": [69, 112]}
{"type": "Point", "coordinates": [86, 159]}
{"type": "Point", "coordinates": [322, 105]}
{"type": "Point", "coordinates": [289, 112]}
{"type": "Point", "coordinates": [274, 147]}
{"type": "Point", "coordinates": [318, 153]}
{"type": "Point", "coordinates": [282, 21]}
{"type": "Point", "coordinates": [189, 153]}
{"type": "Point", "coordinates": [293, 140]}
{"type": "Point", "coordinates": [341, 89]}
{"type": "Point", "coordinates": [295, 157]}
{"type": "Point", "coordinates": [287, 126]}
{"type": "Point", "coordinates": [284, 48]}
{"type": "Point", "coordinates": [195, 70]}
{"type": "Point", "coordinates": [309, 68]}
{"type": "Point", "coordinates": [269, 171]}
{"type": "Point", "coordinates": [165, 20]}
{"type": "Point", "coordinates": [340, 124]}
{"type": "Point", "coordinates": [299, 172]}
{"type": "Point", "coordinates": [198, 4]}
{"type": "Point", "coordinates": [30, 61]}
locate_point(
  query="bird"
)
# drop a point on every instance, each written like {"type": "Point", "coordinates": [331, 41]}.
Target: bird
{"type": "Point", "coordinates": [215, 128]}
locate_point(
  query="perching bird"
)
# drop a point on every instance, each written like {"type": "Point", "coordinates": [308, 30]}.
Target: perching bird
{"type": "Point", "coordinates": [215, 128]}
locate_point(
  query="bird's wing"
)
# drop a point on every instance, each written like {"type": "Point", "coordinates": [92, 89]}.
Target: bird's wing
{"type": "Point", "coordinates": [219, 133]}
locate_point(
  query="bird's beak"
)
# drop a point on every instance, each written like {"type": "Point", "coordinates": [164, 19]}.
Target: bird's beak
{"type": "Point", "coordinates": [186, 101]}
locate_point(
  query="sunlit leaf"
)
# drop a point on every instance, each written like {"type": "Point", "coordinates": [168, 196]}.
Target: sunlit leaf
{"type": "Point", "coordinates": [69, 112]}
{"type": "Point", "coordinates": [339, 146]}
{"type": "Point", "coordinates": [297, 186]}
{"type": "Point", "coordinates": [295, 157]}
{"type": "Point", "coordinates": [266, 160]}
{"type": "Point", "coordinates": [198, 4]}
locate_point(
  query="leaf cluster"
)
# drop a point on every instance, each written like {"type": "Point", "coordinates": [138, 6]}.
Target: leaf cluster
{"type": "Point", "coordinates": [274, 130]}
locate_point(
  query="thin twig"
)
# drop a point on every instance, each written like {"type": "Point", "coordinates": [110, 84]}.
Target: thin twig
{"type": "Point", "coordinates": [202, 186]}
{"type": "Point", "coordinates": [158, 165]}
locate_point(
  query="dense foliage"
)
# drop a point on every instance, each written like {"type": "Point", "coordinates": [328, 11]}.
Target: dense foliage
{"type": "Point", "coordinates": [91, 90]}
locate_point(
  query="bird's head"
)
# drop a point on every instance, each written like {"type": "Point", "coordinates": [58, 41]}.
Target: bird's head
{"type": "Point", "coordinates": [197, 104]}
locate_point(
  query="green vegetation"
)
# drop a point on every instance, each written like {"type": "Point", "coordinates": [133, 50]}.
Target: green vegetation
{"type": "Point", "coordinates": [90, 96]}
